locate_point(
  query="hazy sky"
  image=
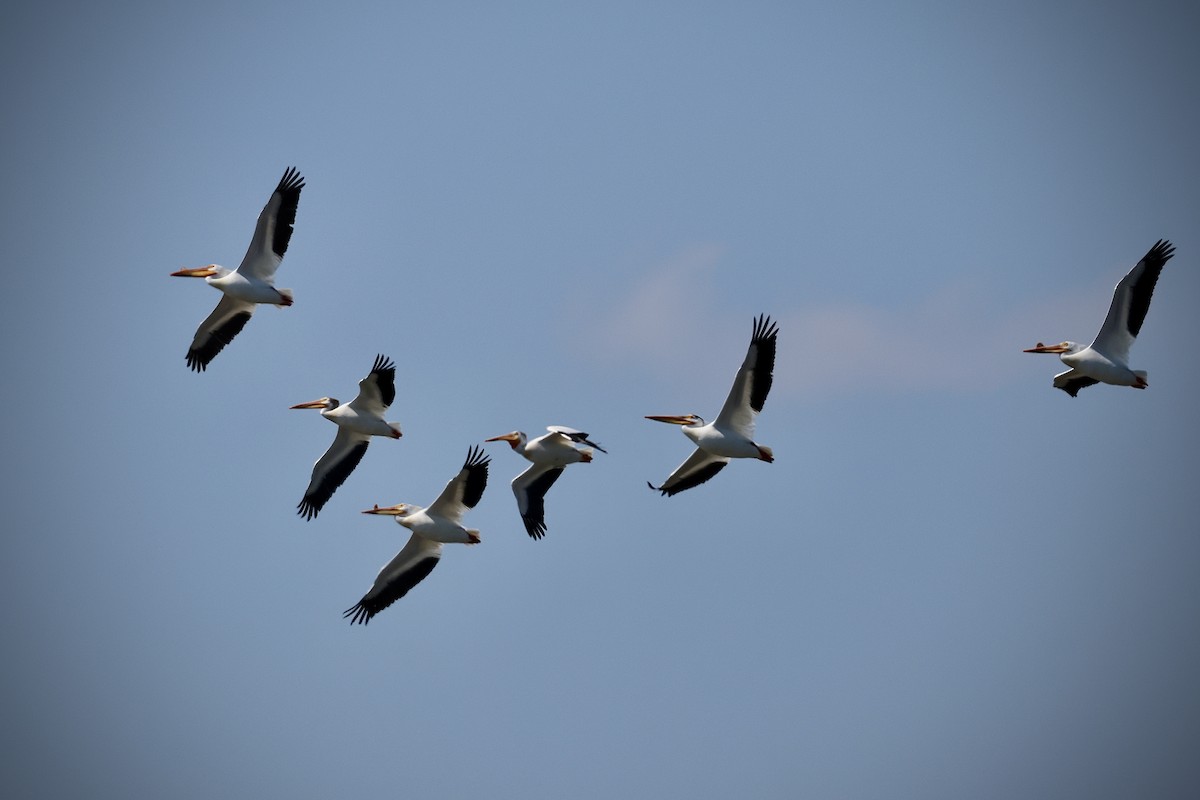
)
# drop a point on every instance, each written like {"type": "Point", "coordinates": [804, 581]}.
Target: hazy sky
{"type": "Point", "coordinates": [954, 582]}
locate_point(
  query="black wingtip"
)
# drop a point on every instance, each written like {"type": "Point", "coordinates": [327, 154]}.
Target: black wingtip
{"type": "Point", "coordinates": [307, 509]}
{"type": "Point", "coordinates": [382, 363]}
{"type": "Point", "coordinates": [292, 181]}
{"type": "Point", "coordinates": [358, 615]}
{"type": "Point", "coordinates": [385, 369]}
{"type": "Point", "coordinates": [476, 457]}
{"type": "Point", "coordinates": [1162, 252]}
{"type": "Point", "coordinates": [764, 328]}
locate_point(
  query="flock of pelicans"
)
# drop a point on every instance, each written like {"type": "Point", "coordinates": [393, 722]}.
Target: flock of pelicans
{"type": "Point", "coordinates": [730, 435]}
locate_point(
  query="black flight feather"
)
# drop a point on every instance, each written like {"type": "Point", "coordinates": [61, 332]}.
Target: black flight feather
{"type": "Point", "coordinates": [289, 193]}
{"type": "Point", "coordinates": [695, 479]}
{"type": "Point", "coordinates": [370, 606]}
{"type": "Point", "coordinates": [199, 357]}
{"type": "Point", "coordinates": [315, 500]}
{"type": "Point", "coordinates": [535, 515]}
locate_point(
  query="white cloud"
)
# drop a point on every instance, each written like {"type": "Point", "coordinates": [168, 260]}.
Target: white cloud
{"type": "Point", "coordinates": [955, 338]}
{"type": "Point", "coordinates": [665, 313]}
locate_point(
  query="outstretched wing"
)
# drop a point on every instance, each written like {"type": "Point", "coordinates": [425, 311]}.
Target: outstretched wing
{"type": "Point", "coordinates": [753, 380]}
{"type": "Point", "coordinates": [218, 329]}
{"type": "Point", "coordinates": [699, 467]}
{"type": "Point", "coordinates": [464, 489]}
{"type": "Point", "coordinates": [1131, 301]}
{"type": "Point", "coordinates": [274, 229]}
{"type": "Point", "coordinates": [410, 566]}
{"type": "Point", "coordinates": [1072, 381]}
{"type": "Point", "coordinates": [377, 391]}
{"type": "Point", "coordinates": [530, 488]}
{"type": "Point", "coordinates": [332, 469]}
{"type": "Point", "coordinates": [578, 437]}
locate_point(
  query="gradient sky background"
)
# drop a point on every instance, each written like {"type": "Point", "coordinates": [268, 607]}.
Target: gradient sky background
{"type": "Point", "coordinates": [953, 582]}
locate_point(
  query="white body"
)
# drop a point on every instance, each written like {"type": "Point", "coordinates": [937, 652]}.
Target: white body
{"type": "Point", "coordinates": [251, 288]}
{"type": "Point", "coordinates": [253, 282]}
{"type": "Point", "coordinates": [731, 434]}
{"type": "Point", "coordinates": [440, 523]}
{"type": "Point", "coordinates": [1106, 360]}
{"type": "Point", "coordinates": [549, 454]}
{"type": "Point", "coordinates": [357, 422]}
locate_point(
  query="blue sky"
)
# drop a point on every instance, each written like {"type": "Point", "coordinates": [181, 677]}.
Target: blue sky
{"type": "Point", "coordinates": [953, 582]}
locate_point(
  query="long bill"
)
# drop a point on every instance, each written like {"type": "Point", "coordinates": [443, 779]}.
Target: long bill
{"type": "Point", "coordinates": [195, 272]}
{"type": "Point", "coordinates": [393, 511]}
{"type": "Point", "coordinates": [322, 403]}
{"type": "Point", "coordinates": [1048, 348]}
{"type": "Point", "coordinates": [511, 438]}
{"type": "Point", "coordinates": [674, 419]}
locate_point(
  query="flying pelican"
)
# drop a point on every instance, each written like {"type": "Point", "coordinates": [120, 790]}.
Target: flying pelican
{"type": "Point", "coordinates": [550, 455]}
{"type": "Point", "coordinates": [253, 281]}
{"type": "Point", "coordinates": [1106, 360]}
{"type": "Point", "coordinates": [431, 527]}
{"type": "Point", "coordinates": [357, 422]}
{"type": "Point", "coordinates": [731, 434]}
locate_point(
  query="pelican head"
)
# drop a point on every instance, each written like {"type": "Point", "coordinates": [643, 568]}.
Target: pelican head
{"type": "Point", "coordinates": [210, 271]}
{"type": "Point", "coordinates": [325, 403]}
{"type": "Point", "coordinates": [516, 439]}
{"type": "Point", "coordinates": [1061, 349]}
{"type": "Point", "coordinates": [687, 420]}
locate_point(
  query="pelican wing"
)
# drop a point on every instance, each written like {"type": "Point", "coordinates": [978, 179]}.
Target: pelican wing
{"type": "Point", "coordinates": [1072, 381]}
{"type": "Point", "coordinates": [1131, 301]}
{"type": "Point", "coordinates": [752, 382]}
{"type": "Point", "coordinates": [332, 469]}
{"type": "Point", "coordinates": [464, 489]}
{"type": "Point", "coordinates": [274, 229]}
{"type": "Point", "coordinates": [699, 467]}
{"type": "Point", "coordinates": [410, 566]}
{"type": "Point", "coordinates": [218, 329]}
{"type": "Point", "coordinates": [579, 437]}
{"type": "Point", "coordinates": [377, 391]}
{"type": "Point", "coordinates": [530, 488]}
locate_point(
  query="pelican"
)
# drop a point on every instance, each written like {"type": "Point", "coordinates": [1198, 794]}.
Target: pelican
{"type": "Point", "coordinates": [253, 282]}
{"type": "Point", "coordinates": [1106, 359]}
{"type": "Point", "coordinates": [357, 422]}
{"type": "Point", "coordinates": [550, 455]}
{"type": "Point", "coordinates": [431, 527]}
{"type": "Point", "coordinates": [731, 434]}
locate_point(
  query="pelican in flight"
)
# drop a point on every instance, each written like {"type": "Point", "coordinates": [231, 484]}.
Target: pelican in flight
{"type": "Point", "coordinates": [550, 455]}
{"type": "Point", "coordinates": [431, 527]}
{"type": "Point", "coordinates": [253, 282]}
{"type": "Point", "coordinates": [357, 422]}
{"type": "Point", "coordinates": [1106, 359]}
{"type": "Point", "coordinates": [731, 434]}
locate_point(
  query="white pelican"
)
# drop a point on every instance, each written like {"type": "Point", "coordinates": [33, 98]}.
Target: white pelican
{"type": "Point", "coordinates": [1106, 360]}
{"type": "Point", "coordinates": [253, 281]}
{"type": "Point", "coordinates": [431, 527]}
{"type": "Point", "coordinates": [550, 455]}
{"type": "Point", "coordinates": [357, 422]}
{"type": "Point", "coordinates": [731, 434]}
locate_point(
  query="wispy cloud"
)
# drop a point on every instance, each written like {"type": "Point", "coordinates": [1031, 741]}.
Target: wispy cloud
{"type": "Point", "coordinates": [955, 338]}
{"type": "Point", "coordinates": [664, 314]}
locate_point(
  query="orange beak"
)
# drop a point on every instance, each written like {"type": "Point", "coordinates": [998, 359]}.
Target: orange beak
{"type": "Point", "coordinates": [511, 438]}
{"type": "Point", "coordinates": [1047, 348]}
{"type": "Point", "coordinates": [312, 403]}
{"type": "Point", "coordinates": [195, 272]}
{"type": "Point", "coordinates": [673, 419]}
{"type": "Point", "coordinates": [394, 511]}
